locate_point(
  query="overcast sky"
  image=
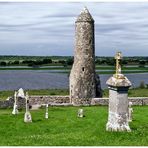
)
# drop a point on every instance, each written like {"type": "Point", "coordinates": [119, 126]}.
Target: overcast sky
{"type": "Point", "coordinates": [48, 28]}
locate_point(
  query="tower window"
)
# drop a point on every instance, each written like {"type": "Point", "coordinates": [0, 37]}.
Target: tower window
{"type": "Point", "coordinates": [82, 68]}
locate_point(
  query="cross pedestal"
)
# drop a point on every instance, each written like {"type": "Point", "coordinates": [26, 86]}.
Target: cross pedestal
{"type": "Point", "coordinates": [118, 103]}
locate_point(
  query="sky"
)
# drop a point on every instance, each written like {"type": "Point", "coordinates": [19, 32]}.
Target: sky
{"type": "Point", "coordinates": [48, 29]}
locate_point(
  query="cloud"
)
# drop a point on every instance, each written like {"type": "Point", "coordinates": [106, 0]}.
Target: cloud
{"type": "Point", "coordinates": [34, 26]}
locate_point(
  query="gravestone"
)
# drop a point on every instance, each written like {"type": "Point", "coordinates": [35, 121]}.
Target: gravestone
{"type": "Point", "coordinates": [118, 86]}
{"type": "Point", "coordinates": [46, 114]}
{"type": "Point", "coordinates": [27, 116]}
{"type": "Point", "coordinates": [80, 113]}
{"type": "Point", "coordinates": [15, 109]}
{"type": "Point", "coordinates": [21, 93]}
{"type": "Point", "coordinates": [130, 111]}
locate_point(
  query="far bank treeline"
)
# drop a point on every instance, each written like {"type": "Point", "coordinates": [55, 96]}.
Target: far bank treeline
{"type": "Point", "coordinates": [34, 61]}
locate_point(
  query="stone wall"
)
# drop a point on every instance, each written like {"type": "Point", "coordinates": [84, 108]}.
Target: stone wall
{"type": "Point", "coordinates": [99, 101]}
{"type": "Point", "coordinates": [39, 100]}
{"type": "Point", "coordinates": [10, 102]}
{"type": "Point", "coordinates": [134, 100]}
{"type": "Point", "coordinates": [64, 101]}
{"type": "Point", "coordinates": [35, 100]}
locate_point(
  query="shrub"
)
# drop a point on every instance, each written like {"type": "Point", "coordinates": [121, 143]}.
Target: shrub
{"type": "Point", "coordinates": [142, 84]}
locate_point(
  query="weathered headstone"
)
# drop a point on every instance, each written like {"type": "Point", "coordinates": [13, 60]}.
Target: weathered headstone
{"type": "Point", "coordinates": [83, 85]}
{"type": "Point", "coordinates": [46, 114]}
{"type": "Point", "coordinates": [21, 93]}
{"type": "Point", "coordinates": [80, 113]}
{"type": "Point", "coordinates": [118, 86]}
{"type": "Point", "coordinates": [15, 109]}
{"type": "Point", "coordinates": [27, 116]}
{"type": "Point", "coordinates": [130, 111]}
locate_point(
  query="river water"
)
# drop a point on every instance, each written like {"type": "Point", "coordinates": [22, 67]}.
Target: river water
{"type": "Point", "coordinates": [45, 79]}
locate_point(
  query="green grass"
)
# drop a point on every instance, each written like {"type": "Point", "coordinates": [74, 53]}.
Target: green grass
{"type": "Point", "coordinates": [64, 128]}
{"type": "Point", "coordinates": [5, 94]}
{"type": "Point", "coordinates": [135, 92]}
{"type": "Point", "coordinates": [140, 92]}
{"type": "Point", "coordinates": [49, 92]}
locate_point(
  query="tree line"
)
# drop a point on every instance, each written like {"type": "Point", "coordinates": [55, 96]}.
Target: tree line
{"type": "Point", "coordinates": [68, 61]}
{"type": "Point", "coordinates": [35, 63]}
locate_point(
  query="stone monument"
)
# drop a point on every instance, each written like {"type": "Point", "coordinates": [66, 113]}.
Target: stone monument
{"type": "Point", "coordinates": [21, 93]}
{"type": "Point", "coordinates": [83, 85]}
{"type": "Point", "coordinates": [80, 113]}
{"type": "Point", "coordinates": [130, 111]}
{"type": "Point", "coordinates": [15, 110]}
{"type": "Point", "coordinates": [27, 117]}
{"type": "Point", "coordinates": [46, 114]}
{"type": "Point", "coordinates": [118, 86]}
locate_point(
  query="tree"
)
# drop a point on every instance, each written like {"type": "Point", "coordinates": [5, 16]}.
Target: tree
{"type": "Point", "coordinates": [69, 61]}
{"type": "Point", "coordinates": [47, 61]}
{"type": "Point", "coordinates": [124, 62]}
{"type": "Point", "coordinates": [16, 63]}
{"type": "Point", "coordinates": [3, 63]}
{"type": "Point", "coordinates": [27, 61]}
{"type": "Point", "coordinates": [142, 63]}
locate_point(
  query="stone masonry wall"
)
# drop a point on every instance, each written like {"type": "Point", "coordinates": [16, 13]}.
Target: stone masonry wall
{"type": "Point", "coordinates": [35, 100]}
{"type": "Point", "coordinates": [39, 100]}
{"type": "Point", "coordinates": [134, 100]}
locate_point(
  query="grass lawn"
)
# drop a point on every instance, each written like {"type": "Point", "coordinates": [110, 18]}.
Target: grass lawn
{"type": "Point", "coordinates": [5, 94]}
{"type": "Point", "coordinates": [135, 92]}
{"type": "Point", "coordinates": [140, 92]}
{"type": "Point", "coordinates": [64, 128]}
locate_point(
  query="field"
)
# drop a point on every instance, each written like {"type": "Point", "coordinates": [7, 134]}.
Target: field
{"type": "Point", "coordinates": [140, 92]}
{"type": "Point", "coordinates": [64, 128]}
{"type": "Point", "coordinates": [105, 65]}
{"type": "Point", "coordinates": [101, 69]}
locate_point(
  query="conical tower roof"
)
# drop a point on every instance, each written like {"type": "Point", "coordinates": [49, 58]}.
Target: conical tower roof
{"type": "Point", "coordinates": [85, 16]}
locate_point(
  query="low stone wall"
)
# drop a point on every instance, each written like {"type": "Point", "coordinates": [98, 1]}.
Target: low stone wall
{"type": "Point", "coordinates": [139, 100]}
{"type": "Point", "coordinates": [33, 100]}
{"type": "Point", "coordinates": [10, 102]}
{"type": "Point", "coordinates": [64, 101]}
{"type": "Point", "coordinates": [134, 100]}
{"type": "Point", "coordinates": [99, 101]}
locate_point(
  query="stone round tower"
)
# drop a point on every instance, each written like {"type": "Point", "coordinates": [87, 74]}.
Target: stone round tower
{"type": "Point", "coordinates": [83, 76]}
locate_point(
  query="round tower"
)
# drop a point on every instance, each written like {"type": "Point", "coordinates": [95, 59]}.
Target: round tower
{"type": "Point", "coordinates": [82, 76]}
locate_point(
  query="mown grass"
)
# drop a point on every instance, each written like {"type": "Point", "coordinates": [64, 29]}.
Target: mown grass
{"type": "Point", "coordinates": [49, 92]}
{"type": "Point", "coordinates": [64, 128]}
{"type": "Point", "coordinates": [5, 94]}
{"type": "Point", "coordinates": [135, 92]}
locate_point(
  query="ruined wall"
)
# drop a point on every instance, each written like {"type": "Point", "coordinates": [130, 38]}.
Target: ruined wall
{"type": "Point", "coordinates": [10, 102]}
{"type": "Point", "coordinates": [39, 100]}
{"type": "Point", "coordinates": [65, 101]}
{"type": "Point", "coordinates": [134, 100]}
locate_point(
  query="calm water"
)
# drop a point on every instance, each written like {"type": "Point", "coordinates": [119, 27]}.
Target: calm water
{"type": "Point", "coordinates": [44, 79]}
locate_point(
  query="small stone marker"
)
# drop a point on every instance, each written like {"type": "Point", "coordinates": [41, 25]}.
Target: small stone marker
{"type": "Point", "coordinates": [118, 86]}
{"type": "Point", "coordinates": [80, 113]}
{"type": "Point", "coordinates": [46, 114]}
{"type": "Point", "coordinates": [15, 110]}
{"type": "Point", "coordinates": [27, 117]}
{"type": "Point", "coordinates": [130, 111]}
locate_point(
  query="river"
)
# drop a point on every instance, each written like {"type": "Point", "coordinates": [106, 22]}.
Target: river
{"type": "Point", "coordinates": [45, 79]}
